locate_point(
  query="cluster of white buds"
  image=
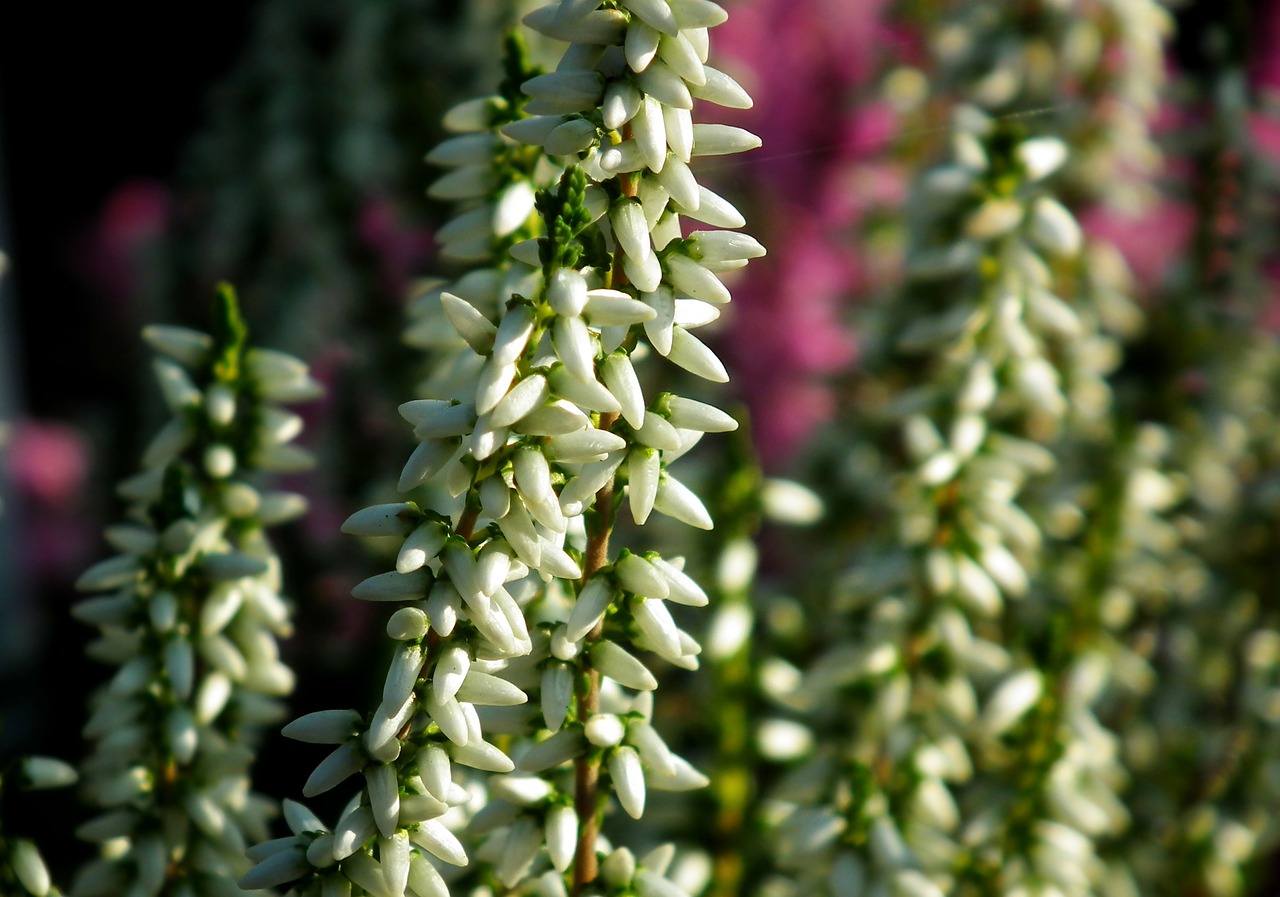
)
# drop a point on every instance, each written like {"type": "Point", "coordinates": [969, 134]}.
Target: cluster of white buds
{"type": "Point", "coordinates": [494, 183]}
{"type": "Point", "coordinates": [23, 870]}
{"type": "Point", "coordinates": [1096, 68]}
{"type": "Point", "coordinates": [519, 626]}
{"type": "Point", "coordinates": [1198, 715]}
{"type": "Point", "coordinates": [189, 615]}
{"type": "Point", "coordinates": [1201, 735]}
{"type": "Point", "coordinates": [909, 801]}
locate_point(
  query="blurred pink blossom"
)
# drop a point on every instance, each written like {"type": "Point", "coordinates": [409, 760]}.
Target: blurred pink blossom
{"type": "Point", "coordinates": [400, 245]}
{"type": "Point", "coordinates": [1150, 240]}
{"type": "Point", "coordinates": [809, 63]}
{"type": "Point", "coordinates": [132, 222]}
{"type": "Point", "coordinates": [48, 462]}
{"type": "Point", "coordinates": [1265, 66]}
{"type": "Point", "coordinates": [1264, 126]}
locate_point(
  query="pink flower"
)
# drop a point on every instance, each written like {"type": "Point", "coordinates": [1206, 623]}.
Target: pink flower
{"type": "Point", "coordinates": [133, 220]}
{"type": "Point", "coordinates": [1265, 69]}
{"type": "Point", "coordinates": [399, 244]}
{"type": "Point", "coordinates": [809, 66]}
{"type": "Point", "coordinates": [787, 338]}
{"type": "Point", "coordinates": [1149, 241]}
{"type": "Point", "coordinates": [47, 461]}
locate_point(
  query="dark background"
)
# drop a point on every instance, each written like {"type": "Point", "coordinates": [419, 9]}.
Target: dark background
{"type": "Point", "coordinates": [91, 95]}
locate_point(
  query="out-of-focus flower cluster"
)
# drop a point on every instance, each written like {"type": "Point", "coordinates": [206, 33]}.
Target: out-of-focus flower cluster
{"type": "Point", "coordinates": [188, 614]}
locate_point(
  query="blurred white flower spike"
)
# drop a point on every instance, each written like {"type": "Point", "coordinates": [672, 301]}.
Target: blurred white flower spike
{"type": "Point", "coordinates": [188, 612]}
{"type": "Point", "coordinates": [518, 619]}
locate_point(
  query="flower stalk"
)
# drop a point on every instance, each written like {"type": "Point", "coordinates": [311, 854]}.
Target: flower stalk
{"type": "Point", "coordinates": [515, 600]}
{"type": "Point", "coordinates": [189, 612]}
{"type": "Point", "coordinates": [965, 691]}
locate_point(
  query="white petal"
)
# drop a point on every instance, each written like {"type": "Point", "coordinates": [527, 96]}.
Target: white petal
{"type": "Point", "coordinates": [614, 662]}
{"type": "Point", "coordinates": [620, 378]}
{"type": "Point", "coordinates": [564, 745]}
{"type": "Point", "coordinates": [628, 780]}
{"type": "Point", "coordinates": [533, 481]}
{"type": "Point", "coordinates": [689, 414]}
{"type": "Point", "coordinates": [575, 347]}
{"type": "Point", "coordinates": [621, 102]}
{"type": "Point", "coordinates": [692, 354]}
{"type": "Point", "coordinates": [561, 827]}
{"type": "Point", "coordinates": [660, 82]}
{"type": "Point", "coordinates": [659, 330]}
{"type": "Point", "coordinates": [643, 470]}
{"type": "Point", "coordinates": [631, 229]}
{"type": "Point", "coordinates": [722, 90]}
{"type": "Point", "coordinates": [675, 500]}
{"type": "Point", "coordinates": [567, 292]}
{"type": "Point", "coordinates": [715, 210]}
{"type": "Point", "coordinates": [557, 693]}
{"type": "Point", "coordinates": [650, 133]}
{"type": "Point", "coordinates": [451, 671]}
{"type": "Point", "coordinates": [681, 57]}
{"type": "Point", "coordinates": [566, 91]}
{"type": "Point", "coordinates": [589, 608]}
{"type": "Point", "coordinates": [513, 208]}
{"type": "Point", "coordinates": [646, 274]}
{"type": "Point", "coordinates": [678, 180]}
{"type": "Point", "coordinates": [513, 335]}
{"type": "Point", "coordinates": [640, 45]}
{"type": "Point", "coordinates": [587, 392]}
{"type": "Point", "coordinates": [433, 837]}
{"type": "Point", "coordinates": [679, 132]}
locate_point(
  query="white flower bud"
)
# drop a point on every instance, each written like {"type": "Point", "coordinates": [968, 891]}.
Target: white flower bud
{"type": "Point", "coordinates": [482, 688]}
{"type": "Point", "coordinates": [589, 608]}
{"type": "Point", "coordinates": [628, 779]}
{"type": "Point", "coordinates": [621, 102]}
{"type": "Point", "coordinates": [433, 837]}
{"type": "Point", "coordinates": [559, 748]}
{"type": "Point", "coordinates": [29, 867]}
{"type": "Point", "coordinates": [448, 715]}
{"type": "Point", "coordinates": [638, 576]}
{"type": "Point", "coordinates": [721, 90]}
{"type": "Point", "coordinates": [533, 482]}
{"type": "Point", "coordinates": [561, 829]}
{"type": "Point", "coordinates": [514, 206]}
{"type": "Point", "coordinates": [692, 354]}
{"type": "Point", "coordinates": [677, 501]}
{"type": "Point", "coordinates": [649, 130]}
{"type": "Point", "coordinates": [1010, 701]}
{"type": "Point", "coordinates": [614, 662]}
{"type": "Point", "coordinates": [557, 693]}
{"type": "Point", "coordinates": [1041, 156]}
{"type": "Point", "coordinates": [714, 210]}
{"type": "Point", "coordinates": [280, 868]}
{"type": "Point", "coordinates": [188, 347]}
{"type": "Point", "coordinates": [1054, 228]}
{"type": "Point", "coordinates": [604, 730]}
{"type": "Point", "coordinates": [467, 182]}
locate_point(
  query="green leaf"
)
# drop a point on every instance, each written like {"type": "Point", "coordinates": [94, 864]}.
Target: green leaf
{"type": "Point", "coordinates": [230, 334]}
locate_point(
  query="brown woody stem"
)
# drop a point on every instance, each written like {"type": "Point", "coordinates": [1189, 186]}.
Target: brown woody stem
{"type": "Point", "coordinates": [586, 778]}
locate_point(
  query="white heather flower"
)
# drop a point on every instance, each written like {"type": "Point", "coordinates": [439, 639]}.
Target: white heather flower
{"type": "Point", "coordinates": [543, 414]}
{"type": "Point", "coordinates": [194, 616]}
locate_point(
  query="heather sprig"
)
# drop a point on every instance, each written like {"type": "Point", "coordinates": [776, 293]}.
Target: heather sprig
{"type": "Point", "coordinates": [521, 624]}
{"type": "Point", "coordinates": [1201, 801]}
{"type": "Point", "coordinates": [188, 614]}
{"type": "Point", "coordinates": [990, 356]}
